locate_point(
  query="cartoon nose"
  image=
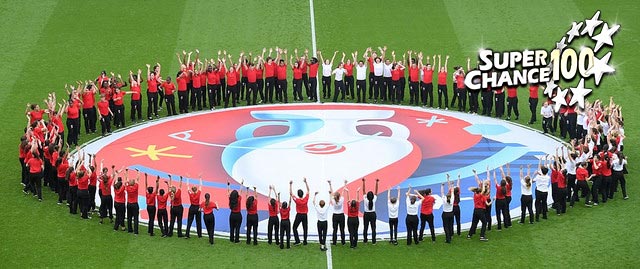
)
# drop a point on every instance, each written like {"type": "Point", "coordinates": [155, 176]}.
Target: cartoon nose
{"type": "Point", "coordinates": [323, 148]}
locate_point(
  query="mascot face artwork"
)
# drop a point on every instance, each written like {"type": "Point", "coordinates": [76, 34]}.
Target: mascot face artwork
{"type": "Point", "coordinates": [272, 145]}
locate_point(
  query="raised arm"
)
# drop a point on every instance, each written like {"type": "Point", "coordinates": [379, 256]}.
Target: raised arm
{"type": "Point", "coordinates": [446, 63]}
{"type": "Point", "coordinates": [376, 190]}
{"type": "Point", "coordinates": [334, 57]}
{"type": "Point", "coordinates": [306, 184]}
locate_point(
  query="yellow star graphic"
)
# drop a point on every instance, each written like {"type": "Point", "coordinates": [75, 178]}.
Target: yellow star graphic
{"type": "Point", "coordinates": [153, 153]}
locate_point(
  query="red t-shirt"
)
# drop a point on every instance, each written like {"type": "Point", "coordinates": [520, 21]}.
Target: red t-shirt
{"type": "Point", "coordinates": [73, 112]}
{"type": "Point", "coordinates": [512, 92]}
{"type": "Point", "coordinates": [168, 88]}
{"type": "Point", "coordinates": [273, 210]}
{"type": "Point", "coordinates": [244, 69]}
{"type": "Point", "coordinates": [72, 180]}
{"type": "Point", "coordinates": [395, 74]}
{"type": "Point", "coordinates": [414, 74]}
{"type": "Point", "coordinates": [442, 78]}
{"type": "Point", "coordinates": [562, 182]}
{"type": "Point", "coordinates": [297, 73]}
{"type": "Point", "coordinates": [196, 81]}
{"type": "Point", "coordinates": [105, 188]}
{"type": "Point", "coordinates": [162, 201]}
{"type": "Point", "coordinates": [119, 195]}
{"type": "Point", "coordinates": [284, 213]}
{"type": "Point", "coordinates": [270, 68]}
{"type": "Point", "coordinates": [182, 82]}
{"type": "Point", "coordinates": [35, 165]}
{"type": "Point", "coordinates": [103, 108]}
{"type": "Point", "coordinates": [509, 187]}
{"type": "Point", "coordinates": [88, 99]}
{"type": "Point", "coordinates": [427, 205]}
{"type": "Point", "coordinates": [151, 199]}
{"type": "Point", "coordinates": [213, 78]}
{"type": "Point", "coordinates": [301, 204]}
{"type": "Point", "coordinates": [282, 72]}
{"type": "Point", "coordinates": [106, 91]}
{"type": "Point", "coordinates": [62, 169]}
{"type": "Point", "coordinates": [132, 193]}
{"type": "Point", "coordinates": [57, 121]}
{"type": "Point", "coordinates": [303, 65]}
{"type": "Point", "coordinates": [479, 201]}
{"type": "Point", "coordinates": [499, 194]}
{"type": "Point", "coordinates": [533, 91]}
{"type": "Point", "coordinates": [349, 68]}
{"type": "Point", "coordinates": [427, 77]}
{"type": "Point", "coordinates": [136, 92]}
{"type": "Point", "coordinates": [83, 182]}
{"type": "Point", "coordinates": [251, 75]}
{"type": "Point", "coordinates": [208, 209]}
{"type": "Point", "coordinates": [254, 208]}
{"type": "Point", "coordinates": [177, 198]}
{"type": "Point", "coordinates": [232, 77]}
{"type": "Point", "coordinates": [152, 85]}
{"type": "Point", "coordinates": [460, 82]}
{"type": "Point", "coordinates": [352, 211]}
{"type": "Point", "coordinates": [93, 178]}
{"type": "Point", "coordinates": [194, 197]}
{"type": "Point", "coordinates": [313, 70]}
{"type": "Point", "coordinates": [203, 79]}
{"type": "Point", "coordinates": [582, 174]}
{"type": "Point", "coordinates": [118, 98]}
{"type": "Point", "coordinates": [237, 208]}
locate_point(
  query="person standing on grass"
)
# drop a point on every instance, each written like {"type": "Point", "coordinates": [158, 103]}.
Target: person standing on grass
{"type": "Point", "coordinates": [456, 205]}
{"type": "Point", "coordinates": [499, 101]}
{"type": "Point", "coordinates": [73, 119]}
{"type": "Point", "coordinates": [393, 203]}
{"type": "Point", "coordinates": [285, 224]}
{"type": "Point", "coordinates": [136, 100]}
{"type": "Point", "coordinates": [508, 198]}
{"type": "Point", "coordinates": [414, 202]}
{"type": "Point", "coordinates": [337, 219]}
{"type": "Point", "coordinates": [582, 177]}
{"type": "Point", "coordinates": [207, 208]}
{"type": "Point", "coordinates": [326, 74]}
{"type": "Point", "coordinates": [36, 165]}
{"type": "Point", "coordinates": [72, 198]}
{"type": "Point", "coordinates": [361, 78]}
{"type": "Point", "coordinates": [547, 116]}
{"type": "Point", "coordinates": [301, 212]}
{"type": "Point", "coordinates": [163, 217]}
{"type": "Point", "coordinates": [133, 209]}
{"type": "Point", "coordinates": [252, 216]}
{"type": "Point", "coordinates": [461, 88]}
{"type": "Point", "coordinates": [321, 210]}
{"type": "Point", "coordinates": [151, 202]}
{"type": "Point", "coordinates": [119, 204]}
{"type": "Point", "coordinates": [194, 209]}
{"type": "Point", "coordinates": [542, 180]}
{"type": "Point", "coordinates": [480, 203]}
{"type": "Point", "coordinates": [501, 195]}
{"type": "Point", "coordinates": [82, 176]}
{"type": "Point", "coordinates": [106, 200]}
{"type": "Point", "coordinates": [348, 78]}
{"type": "Point", "coordinates": [281, 74]}
{"type": "Point", "coordinates": [297, 78]}
{"type": "Point", "coordinates": [426, 84]}
{"type": "Point", "coordinates": [426, 214]}
{"type": "Point", "coordinates": [313, 78]}
{"type": "Point", "coordinates": [273, 226]}
{"type": "Point", "coordinates": [235, 218]}
{"type": "Point", "coordinates": [447, 210]}
{"type": "Point", "coordinates": [183, 93]}
{"type": "Point", "coordinates": [619, 161]}
{"type": "Point", "coordinates": [105, 115]}
{"type": "Point", "coordinates": [526, 199]}
{"type": "Point", "coordinates": [169, 88]}
{"type": "Point", "coordinates": [370, 217]}
{"type": "Point", "coordinates": [62, 165]}
{"type": "Point", "coordinates": [559, 198]}
{"type": "Point", "coordinates": [533, 102]}
{"type": "Point", "coordinates": [232, 82]}
{"type": "Point", "coordinates": [175, 195]}
{"type": "Point", "coordinates": [414, 79]}
{"type": "Point", "coordinates": [118, 105]}
{"type": "Point", "coordinates": [352, 221]}
{"type": "Point", "coordinates": [88, 108]}
{"type": "Point", "coordinates": [442, 82]}
{"type": "Point", "coordinates": [512, 102]}
{"type": "Point", "coordinates": [339, 73]}
{"type": "Point", "coordinates": [93, 182]}
{"type": "Point", "coordinates": [152, 93]}
{"type": "Point", "coordinates": [485, 186]}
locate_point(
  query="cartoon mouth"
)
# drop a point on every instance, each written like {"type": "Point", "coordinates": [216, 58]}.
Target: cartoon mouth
{"type": "Point", "coordinates": [323, 148]}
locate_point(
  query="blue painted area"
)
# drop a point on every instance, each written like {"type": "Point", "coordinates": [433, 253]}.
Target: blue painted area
{"type": "Point", "coordinates": [486, 129]}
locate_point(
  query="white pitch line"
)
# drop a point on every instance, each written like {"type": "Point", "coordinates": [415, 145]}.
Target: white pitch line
{"type": "Point", "coordinates": [329, 259]}
{"type": "Point", "coordinates": [313, 41]}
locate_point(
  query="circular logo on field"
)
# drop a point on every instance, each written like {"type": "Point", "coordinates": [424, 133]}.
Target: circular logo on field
{"type": "Point", "coordinates": [271, 145]}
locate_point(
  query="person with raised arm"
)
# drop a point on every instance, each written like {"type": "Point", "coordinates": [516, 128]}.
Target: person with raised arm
{"type": "Point", "coordinates": [560, 198]}
{"type": "Point", "coordinates": [337, 219]}
{"type": "Point", "coordinates": [327, 66]}
{"type": "Point", "coordinates": [447, 210]}
{"type": "Point", "coordinates": [132, 203]}
{"type": "Point", "coordinates": [151, 195]}
{"type": "Point", "coordinates": [297, 78]}
{"type": "Point", "coordinates": [301, 212]}
{"type": "Point", "coordinates": [426, 214]}
{"type": "Point", "coordinates": [273, 226]}
{"type": "Point", "coordinates": [252, 215]}
{"type": "Point", "coordinates": [176, 212]}
{"type": "Point", "coordinates": [501, 202]}
{"type": "Point", "coordinates": [285, 223]}
{"type": "Point", "coordinates": [526, 199]}
{"type": "Point", "coordinates": [163, 216]}
{"type": "Point", "coordinates": [393, 203]}
{"type": "Point", "coordinates": [235, 218]}
{"type": "Point", "coordinates": [542, 181]}
{"type": "Point", "coordinates": [369, 199]}
{"type": "Point", "coordinates": [442, 82]}
{"type": "Point", "coordinates": [456, 205]}
{"type": "Point", "coordinates": [480, 203]}
{"type": "Point", "coordinates": [414, 202]}
{"type": "Point", "coordinates": [152, 93]}
{"type": "Point", "coordinates": [207, 208]}
{"type": "Point", "coordinates": [321, 210]}
{"type": "Point", "coordinates": [119, 200]}
{"type": "Point", "coordinates": [281, 74]}
{"type": "Point", "coordinates": [106, 200]}
{"type": "Point", "coordinates": [194, 209]}
{"type": "Point", "coordinates": [426, 84]}
{"type": "Point", "coordinates": [136, 100]}
{"type": "Point", "coordinates": [361, 77]}
{"type": "Point", "coordinates": [353, 222]}
{"type": "Point", "coordinates": [339, 73]}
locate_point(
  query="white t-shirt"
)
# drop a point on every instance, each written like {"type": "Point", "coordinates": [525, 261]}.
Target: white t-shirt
{"type": "Point", "coordinates": [571, 167]}
{"type": "Point", "coordinates": [339, 72]}
{"type": "Point", "coordinates": [366, 203]}
{"type": "Point", "coordinates": [617, 166]}
{"type": "Point", "coordinates": [387, 70]}
{"type": "Point", "coordinates": [542, 183]}
{"type": "Point", "coordinates": [338, 207]}
{"type": "Point", "coordinates": [326, 70]}
{"type": "Point", "coordinates": [378, 68]}
{"type": "Point", "coordinates": [322, 212]}
{"type": "Point", "coordinates": [412, 209]}
{"type": "Point", "coordinates": [393, 209]}
{"type": "Point", "coordinates": [523, 188]}
{"type": "Point", "coordinates": [361, 72]}
{"type": "Point", "coordinates": [546, 112]}
{"type": "Point", "coordinates": [447, 207]}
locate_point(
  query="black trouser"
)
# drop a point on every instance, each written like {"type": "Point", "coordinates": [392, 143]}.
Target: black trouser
{"type": "Point", "coordinates": [478, 215]}
{"type": "Point", "coordinates": [462, 100]}
{"type": "Point", "coordinates": [106, 207]}
{"type": "Point", "coordinates": [473, 100]}
{"type": "Point", "coordinates": [194, 213]}
{"type": "Point", "coordinates": [604, 188]}
{"type": "Point", "coordinates": [47, 175]}
{"type": "Point", "coordinates": [412, 228]}
{"type": "Point", "coordinates": [313, 84]}
{"type": "Point", "coordinates": [244, 82]}
{"type": "Point", "coordinates": [595, 187]}
{"type": "Point", "coordinates": [414, 94]}
{"type": "Point", "coordinates": [533, 107]}
{"type": "Point", "coordinates": [90, 117]}
{"type": "Point", "coordinates": [561, 204]}
{"type": "Point", "coordinates": [105, 124]}
{"type": "Point", "coordinates": [235, 220]}
{"type": "Point", "coordinates": [73, 127]}
{"type": "Point", "coordinates": [393, 229]}
{"type": "Point", "coordinates": [546, 124]}
{"type": "Point", "coordinates": [427, 93]}
{"type": "Point", "coordinates": [83, 201]}
{"type": "Point", "coordinates": [152, 104]}
{"type": "Point", "coordinates": [182, 101]}
{"type": "Point", "coordinates": [487, 216]}
{"type": "Point", "coordinates": [136, 110]}
{"type": "Point", "coordinates": [348, 85]}
{"type": "Point", "coordinates": [212, 90]}
{"type": "Point", "coordinates": [72, 199]}
{"type": "Point", "coordinates": [582, 186]}
{"type": "Point", "coordinates": [507, 213]}
{"type": "Point", "coordinates": [252, 227]}
{"type": "Point", "coordinates": [541, 204]}
{"type": "Point", "coordinates": [499, 99]}
{"type": "Point", "coordinates": [270, 84]}
{"type": "Point", "coordinates": [35, 180]}
{"type": "Point", "coordinates": [25, 172]}
{"type": "Point", "coordinates": [285, 228]}
{"type": "Point", "coordinates": [151, 211]}
{"type": "Point", "coordinates": [160, 96]}
{"type": "Point", "coordinates": [305, 82]}
{"type": "Point", "coordinates": [191, 100]}
{"type": "Point", "coordinates": [371, 84]}
{"type": "Point", "coordinates": [63, 187]}
{"type": "Point", "coordinates": [501, 212]}
{"type": "Point", "coordinates": [119, 116]}
{"type": "Point", "coordinates": [338, 224]}
{"type": "Point", "coordinates": [203, 96]}
{"type": "Point", "coordinates": [512, 104]}
{"type": "Point", "coordinates": [132, 217]}
{"type": "Point", "coordinates": [223, 90]}
{"type": "Point", "coordinates": [447, 222]}
{"type": "Point", "coordinates": [352, 224]}
{"type": "Point", "coordinates": [171, 105]}
{"type": "Point", "coordinates": [300, 218]}
{"type": "Point", "coordinates": [554, 125]}
{"type": "Point", "coordinates": [176, 215]}
{"type": "Point", "coordinates": [92, 197]}
{"type": "Point", "coordinates": [369, 219]}
{"type": "Point", "coordinates": [232, 93]}
{"type": "Point", "coordinates": [297, 89]}
{"type": "Point", "coordinates": [252, 93]}
{"type": "Point", "coordinates": [338, 89]}
{"type": "Point", "coordinates": [378, 84]}
{"type": "Point", "coordinates": [120, 211]}
{"type": "Point", "coordinates": [526, 204]}
{"type": "Point", "coordinates": [442, 90]}
{"type": "Point", "coordinates": [554, 193]}
{"type": "Point", "coordinates": [198, 94]}
{"type": "Point", "coordinates": [326, 87]}
{"type": "Point", "coordinates": [423, 220]}
{"type": "Point", "coordinates": [361, 87]}
{"type": "Point", "coordinates": [385, 88]}
{"type": "Point", "coordinates": [571, 122]}
{"type": "Point", "coordinates": [487, 102]}
{"type": "Point", "coordinates": [272, 229]}
{"type": "Point", "coordinates": [322, 232]}
{"type": "Point", "coordinates": [210, 223]}
{"type": "Point", "coordinates": [456, 215]}
{"type": "Point", "coordinates": [618, 177]}
{"type": "Point", "coordinates": [455, 94]}
{"type": "Point", "coordinates": [281, 90]}
{"type": "Point", "coordinates": [401, 84]}
{"type": "Point", "coordinates": [571, 186]}
{"type": "Point", "coordinates": [163, 221]}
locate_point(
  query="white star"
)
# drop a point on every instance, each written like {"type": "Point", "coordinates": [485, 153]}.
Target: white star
{"type": "Point", "coordinates": [548, 90]}
{"type": "Point", "coordinates": [578, 94]}
{"type": "Point", "coordinates": [604, 37]}
{"type": "Point", "coordinates": [575, 31]}
{"type": "Point", "coordinates": [600, 67]}
{"type": "Point", "coordinates": [561, 45]}
{"type": "Point", "coordinates": [560, 100]}
{"type": "Point", "coordinates": [591, 24]}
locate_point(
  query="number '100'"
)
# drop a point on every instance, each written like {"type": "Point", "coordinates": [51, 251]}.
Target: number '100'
{"type": "Point", "coordinates": [568, 62]}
